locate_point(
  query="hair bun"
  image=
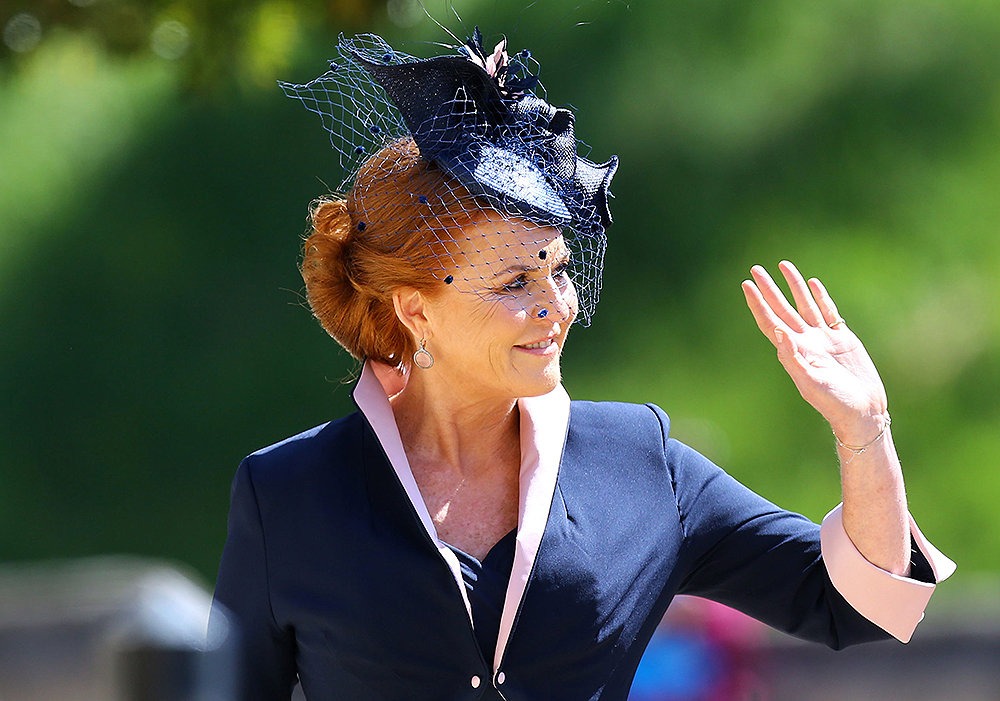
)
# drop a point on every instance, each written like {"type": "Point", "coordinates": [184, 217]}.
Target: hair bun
{"type": "Point", "coordinates": [326, 267]}
{"type": "Point", "coordinates": [331, 218]}
{"type": "Point", "coordinates": [367, 245]}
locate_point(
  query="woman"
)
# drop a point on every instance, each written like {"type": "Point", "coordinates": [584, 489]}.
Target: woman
{"type": "Point", "coordinates": [470, 532]}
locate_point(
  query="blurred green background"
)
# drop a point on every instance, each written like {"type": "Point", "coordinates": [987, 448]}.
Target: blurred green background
{"type": "Point", "coordinates": [154, 185]}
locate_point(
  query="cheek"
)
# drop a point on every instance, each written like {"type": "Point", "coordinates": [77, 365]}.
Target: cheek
{"type": "Point", "coordinates": [497, 331]}
{"type": "Point", "coordinates": [481, 326]}
{"type": "Point", "coordinates": [460, 312]}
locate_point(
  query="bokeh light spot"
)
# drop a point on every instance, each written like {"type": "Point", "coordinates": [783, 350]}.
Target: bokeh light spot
{"type": "Point", "coordinates": [170, 40]}
{"type": "Point", "coordinates": [22, 33]}
{"type": "Point", "coordinates": [404, 13]}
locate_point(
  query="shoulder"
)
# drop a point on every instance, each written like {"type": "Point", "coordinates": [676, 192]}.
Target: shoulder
{"type": "Point", "coordinates": [308, 451]}
{"type": "Point", "coordinates": [610, 420]}
{"type": "Point", "coordinates": [621, 429]}
{"type": "Point", "coordinates": [339, 430]}
{"type": "Point", "coordinates": [620, 453]}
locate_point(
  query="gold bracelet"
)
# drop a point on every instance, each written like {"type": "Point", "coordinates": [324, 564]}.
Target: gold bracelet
{"type": "Point", "coordinates": [858, 450]}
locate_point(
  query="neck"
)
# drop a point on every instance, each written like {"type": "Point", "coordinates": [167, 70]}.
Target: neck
{"type": "Point", "coordinates": [445, 427]}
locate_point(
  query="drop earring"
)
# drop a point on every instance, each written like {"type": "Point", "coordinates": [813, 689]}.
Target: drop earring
{"type": "Point", "coordinates": [422, 357]}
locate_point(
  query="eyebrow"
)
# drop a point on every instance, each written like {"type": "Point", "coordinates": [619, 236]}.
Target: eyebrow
{"type": "Point", "coordinates": [562, 256]}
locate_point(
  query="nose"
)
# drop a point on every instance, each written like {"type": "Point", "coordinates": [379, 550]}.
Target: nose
{"type": "Point", "coordinates": [556, 302]}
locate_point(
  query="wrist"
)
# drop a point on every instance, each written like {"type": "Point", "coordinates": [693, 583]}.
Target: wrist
{"type": "Point", "coordinates": [864, 434]}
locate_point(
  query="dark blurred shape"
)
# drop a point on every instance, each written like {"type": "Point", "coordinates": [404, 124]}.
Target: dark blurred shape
{"type": "Point", "coordinates": [111, 629]}
{"type": "Point", "coordinates": [953, 656]}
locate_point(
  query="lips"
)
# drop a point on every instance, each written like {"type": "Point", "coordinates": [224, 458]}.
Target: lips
{"type": "Point", "coordinates": [539, 345]}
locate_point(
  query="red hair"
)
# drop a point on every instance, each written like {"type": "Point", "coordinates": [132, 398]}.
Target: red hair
{"type": "Point", "coordinates": [385, 234]}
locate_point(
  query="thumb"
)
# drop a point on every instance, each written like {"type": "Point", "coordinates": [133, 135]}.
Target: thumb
{"type": "Point", "coordinates": [788, 350]}
{"type": "Point", "coordinates": [784, 344]}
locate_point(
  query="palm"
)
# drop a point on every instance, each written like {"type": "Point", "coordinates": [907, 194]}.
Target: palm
{"type": "Point", "coordinates": [826, 361]}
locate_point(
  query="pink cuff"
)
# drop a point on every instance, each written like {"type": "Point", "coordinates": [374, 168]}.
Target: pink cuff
{"type": "Point", "coordinates": [895, 604]}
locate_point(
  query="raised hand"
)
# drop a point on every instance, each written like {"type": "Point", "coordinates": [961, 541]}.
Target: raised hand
{"type": "Point", "coordinates": [826, 361]}
{"type": "Point", "coordinates": [834, 373]}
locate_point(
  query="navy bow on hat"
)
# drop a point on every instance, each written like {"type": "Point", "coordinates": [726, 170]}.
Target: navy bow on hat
{"type": "Point", "coordinates": [502, 143]}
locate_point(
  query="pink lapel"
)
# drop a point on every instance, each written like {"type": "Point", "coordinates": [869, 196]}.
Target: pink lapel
{"type": "Point", "coordinates": [543, 421]}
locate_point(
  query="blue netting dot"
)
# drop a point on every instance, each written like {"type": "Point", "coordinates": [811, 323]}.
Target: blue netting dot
{"type": "Point", "coordinates": [423, 200]}
{"type": "Point", "coordinates": [362, 226]}
{"type": "Point", "coordinates": [359, 150]}
{"type": "Point", "coordinates": [525, 53]}
{"type": "Point", "coordinates": [542, 313]}
{"type": "Point", "coordinates": [387, 58]}
{"type": "Point", "coordinates": [448, 280]}
{"type": "Point", "coordinates": [334, 66]}
{"type": "Point", "coordinates": [375, 129]}
{"type": "Point", "coordinates": [542, 253]}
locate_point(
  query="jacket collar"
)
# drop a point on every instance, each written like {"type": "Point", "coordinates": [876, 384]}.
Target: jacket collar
{"type": "Point", "coordinates": [543, 424]}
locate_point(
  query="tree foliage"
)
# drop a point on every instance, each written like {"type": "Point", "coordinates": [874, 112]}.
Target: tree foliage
{"type": "Point", "coordinates": [152, 201]}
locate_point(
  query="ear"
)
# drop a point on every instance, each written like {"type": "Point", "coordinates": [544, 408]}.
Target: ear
{"type": "Point", "coordinates": [411, 310]}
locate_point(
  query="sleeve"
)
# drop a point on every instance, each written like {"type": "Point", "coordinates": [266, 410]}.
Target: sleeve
{"type": "Point", "coordinates": [743, 551]}
{"type": "Point", "coordinates": [268, 670]}
{"type": "Point", "coordinates": [895, 603]}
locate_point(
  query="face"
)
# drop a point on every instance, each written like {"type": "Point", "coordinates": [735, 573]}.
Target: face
{"type": "Point", "coordinates": [499, 327]}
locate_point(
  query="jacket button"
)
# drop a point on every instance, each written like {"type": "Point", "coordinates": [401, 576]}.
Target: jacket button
{"type": "Point", "coordinates": [475, 681]}
{"type": "Point", "coordinates": [501, 677]}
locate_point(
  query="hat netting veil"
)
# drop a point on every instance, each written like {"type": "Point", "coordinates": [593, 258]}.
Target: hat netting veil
{"type": "Point", "coordinates": [479, 118]}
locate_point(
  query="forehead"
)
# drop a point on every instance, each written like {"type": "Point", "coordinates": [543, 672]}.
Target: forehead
{"type": "Point", "coordinates": [499, 243]}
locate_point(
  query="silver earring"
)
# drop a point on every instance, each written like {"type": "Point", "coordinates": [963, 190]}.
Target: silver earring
{"type": "Point", "coordinates": [422, 357]}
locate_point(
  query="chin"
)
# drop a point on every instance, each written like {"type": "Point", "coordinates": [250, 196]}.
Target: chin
{"type": "Point", "coordinates": [543, 383]}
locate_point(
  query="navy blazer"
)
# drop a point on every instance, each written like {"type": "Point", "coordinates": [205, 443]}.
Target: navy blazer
{"type": "Point", "coordinates": [332, 578]}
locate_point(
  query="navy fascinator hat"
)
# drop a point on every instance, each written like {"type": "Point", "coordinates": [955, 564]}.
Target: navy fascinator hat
{"type": "Point", "coordinates": [475, 116]}
{"type": "Point", "coordinates": [483, 120]}
{"type": "Point", "coordinates": [479, 123]}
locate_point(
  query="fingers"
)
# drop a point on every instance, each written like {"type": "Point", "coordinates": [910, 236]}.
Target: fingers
{"type": "Point", "coordinates": [813, 304]}
{"type": "Point", "coordinates": [802, 295]}
{"type": "Point", "coordinates": [774, 329]}
{"type": "Point", "coordinates": [829, 310]}
{"type": "Point", "coordinates": [767, 321]}
{"type": "Point", "coordinates": [775, 299]}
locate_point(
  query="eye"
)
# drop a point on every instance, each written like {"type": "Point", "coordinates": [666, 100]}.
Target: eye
{"type": "Point", "coordinates": [517, 284]}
